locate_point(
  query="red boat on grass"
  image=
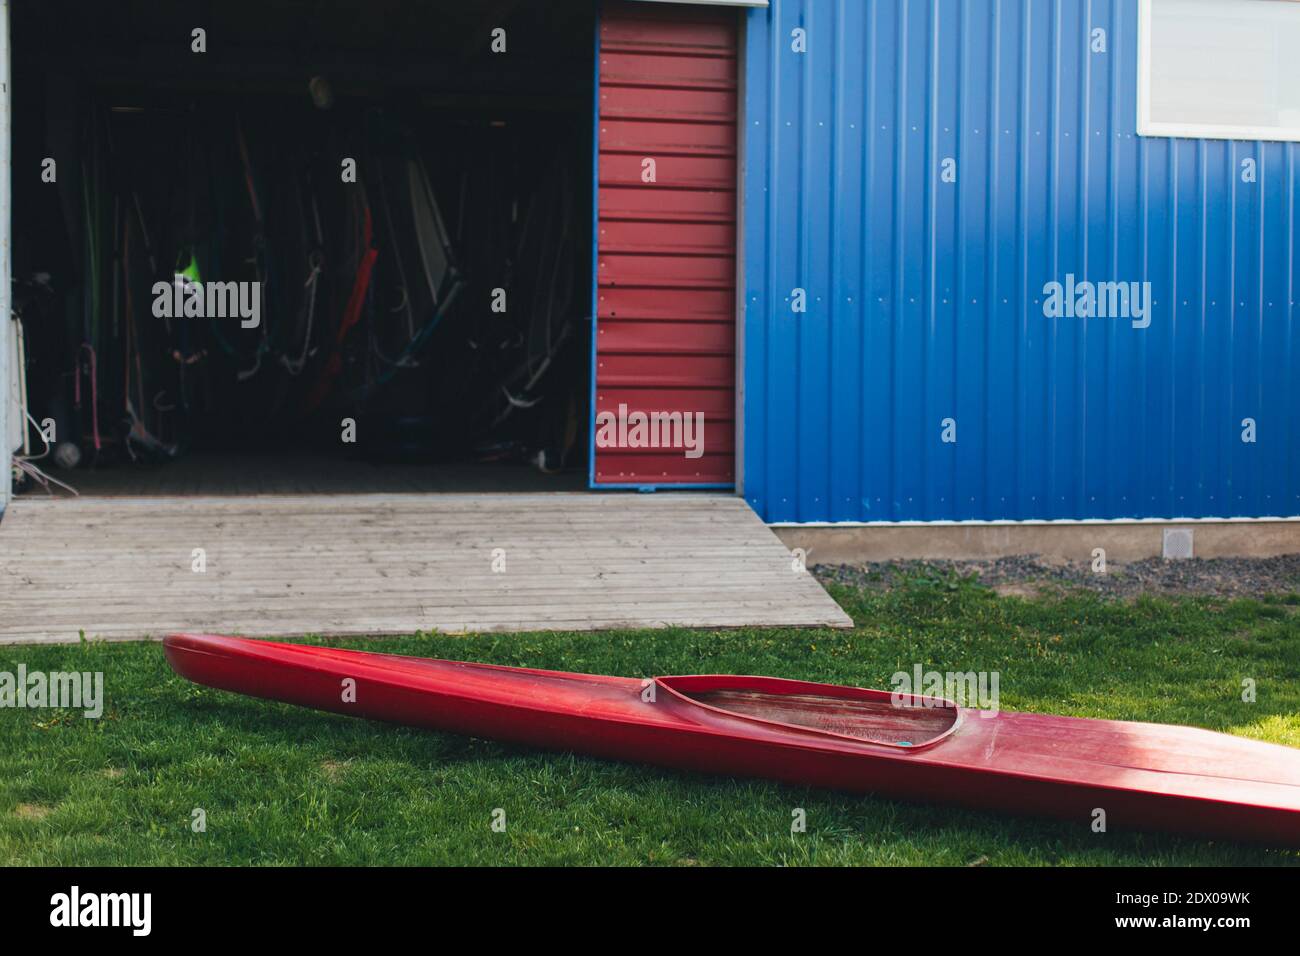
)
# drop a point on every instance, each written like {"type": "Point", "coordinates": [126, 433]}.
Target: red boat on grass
{"type": "Point", "coordinates": [847, 738]}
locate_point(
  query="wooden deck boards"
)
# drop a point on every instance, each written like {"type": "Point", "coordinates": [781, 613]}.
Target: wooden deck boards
{"type": "Point", "coordinates": [120, 568]}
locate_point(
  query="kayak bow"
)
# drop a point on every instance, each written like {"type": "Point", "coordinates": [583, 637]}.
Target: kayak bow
{"type": "Point", "coordinates": [866, 741]}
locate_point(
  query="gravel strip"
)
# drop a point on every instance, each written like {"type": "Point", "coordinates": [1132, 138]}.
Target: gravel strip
{"type": "Point", "coordinates": [1025, 574]}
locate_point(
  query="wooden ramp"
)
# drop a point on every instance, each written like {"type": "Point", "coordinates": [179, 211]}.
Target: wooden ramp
{"type": "Point", "coordinates": [122, 568]}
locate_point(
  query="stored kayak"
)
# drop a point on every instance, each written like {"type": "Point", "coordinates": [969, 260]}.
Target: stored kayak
{"type": "Point", "coordinates": [865, 741]}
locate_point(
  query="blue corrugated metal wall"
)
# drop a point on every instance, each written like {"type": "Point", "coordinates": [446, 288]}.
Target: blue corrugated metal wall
{"type": "Point", "coordinates": [925, 297]}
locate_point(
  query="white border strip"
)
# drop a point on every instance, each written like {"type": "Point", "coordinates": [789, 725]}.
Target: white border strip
{"type": "Point", "coordinates": [713, 3]}
{"type": "Point", "coordinates": [6, 239]}
{"type": "Point", "coordinates": [1044, 523]}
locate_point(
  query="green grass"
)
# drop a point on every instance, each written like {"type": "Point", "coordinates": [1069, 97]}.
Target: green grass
{"type": "Point", "coordinates": [282, 785]}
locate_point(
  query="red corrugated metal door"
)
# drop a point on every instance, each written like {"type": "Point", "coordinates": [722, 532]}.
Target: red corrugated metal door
{"type": "Point", "coordinates": [665, 342]}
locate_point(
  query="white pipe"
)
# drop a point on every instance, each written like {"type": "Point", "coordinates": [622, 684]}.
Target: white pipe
{"type": "Point", "coordinates": [23, 414]}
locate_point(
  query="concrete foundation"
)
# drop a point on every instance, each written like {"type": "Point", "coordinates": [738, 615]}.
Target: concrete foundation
{"type": "Point", "coordinates": [831, 544]}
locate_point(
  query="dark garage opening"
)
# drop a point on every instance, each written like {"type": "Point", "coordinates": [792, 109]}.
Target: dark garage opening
{"type": "Point", "coordinates": [440, 303]}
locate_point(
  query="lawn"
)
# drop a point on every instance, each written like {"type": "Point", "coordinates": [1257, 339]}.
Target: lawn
{"type": "Point", "coordinates": [280, 785]}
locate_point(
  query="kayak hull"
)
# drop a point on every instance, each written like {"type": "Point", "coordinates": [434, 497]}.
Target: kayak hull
{"type": "Point", "coordinates": [1140, 776]}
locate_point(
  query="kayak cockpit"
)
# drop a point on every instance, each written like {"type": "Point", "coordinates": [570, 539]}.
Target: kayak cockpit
{"type": "Point", "coordinates": [870, 716]}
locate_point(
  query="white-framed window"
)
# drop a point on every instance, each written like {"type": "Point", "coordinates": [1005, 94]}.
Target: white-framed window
{"type": "Point", "coordinates": [1219, 69]}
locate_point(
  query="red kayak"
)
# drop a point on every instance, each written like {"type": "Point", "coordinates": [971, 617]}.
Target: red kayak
{"type": "Point", "coordinates": [1142, 775]}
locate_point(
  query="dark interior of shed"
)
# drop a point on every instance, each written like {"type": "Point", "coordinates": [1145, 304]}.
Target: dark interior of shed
{"type": "Point", "coordinates": [423, 327]}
